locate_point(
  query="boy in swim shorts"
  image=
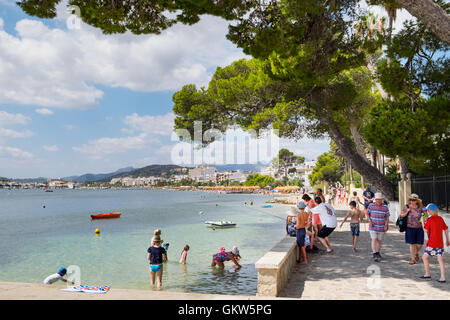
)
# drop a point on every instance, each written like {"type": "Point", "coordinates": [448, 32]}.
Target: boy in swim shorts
{"type": "Point", "coordinates": [356, 216]}
{"type": "Point", "coordinates": [300, 228]}
{"type": "Point", "coordinates": [156, 256]}
{"type": "Point", "coordinates": [434, 227]}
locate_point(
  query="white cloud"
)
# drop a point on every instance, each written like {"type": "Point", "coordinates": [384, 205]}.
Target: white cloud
{"type": "Point", "coordinates": [12, 119]}
{"type": "Point", "coordinates": [99, 148]}
{"type": "Point", "coordinates": [9, 133]}
{"type": "Point", "coordinates": [52, 148]}
{"type": "Point", "coordinates": [44, 111]}
{"type": "Point", "coordinates": [14, 153]}
{"type": "Point", "coordinates": [161, 125]}
{"type": "Point", "coordinates": [65, 65]}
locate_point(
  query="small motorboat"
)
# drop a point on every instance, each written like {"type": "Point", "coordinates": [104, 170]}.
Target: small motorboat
{"type": "Point", "coordinates": [220, 224]}
{"type": "Point", "coordinates": [109, 215]}
{"type": "Point", "coordinates": [48, 190]}
{"type": "Point", "coordinates": [267, 206]}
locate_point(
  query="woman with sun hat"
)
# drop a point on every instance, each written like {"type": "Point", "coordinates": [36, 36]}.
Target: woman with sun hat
{"type": "Point", "coordinates": [414, 235]}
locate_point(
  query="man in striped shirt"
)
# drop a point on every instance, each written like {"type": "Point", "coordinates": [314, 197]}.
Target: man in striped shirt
{"type": "Point", "coordinates": [378, 215]}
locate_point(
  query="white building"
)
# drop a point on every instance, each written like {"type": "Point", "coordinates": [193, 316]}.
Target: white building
{"type": "Point", "coordinates": [269, 171]}
{"type": "Point", "coordinates": [203, 174]}
{"type": "Point", "coordinates": [237, 176]}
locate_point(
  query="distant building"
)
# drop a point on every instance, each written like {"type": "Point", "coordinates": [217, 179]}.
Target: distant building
{"type": "Point", "coordinates": [238, 176]}
{"type": "Point", "coordinates": [57, 183]}
{"type": "Point", "coordinates": [269, 171]}
{"type": "Point", "coordinates": [203, 174]}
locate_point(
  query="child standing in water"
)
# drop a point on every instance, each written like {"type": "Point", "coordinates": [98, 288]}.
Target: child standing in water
{"type": "Point", "coordinates": [356, 216]}
{"type": "Point", "coordinates": [156, 256]}
{"type": "Point", "coordinates": [183, 255]}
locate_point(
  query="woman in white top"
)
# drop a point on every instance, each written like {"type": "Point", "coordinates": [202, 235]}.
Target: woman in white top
{"type": "Point", "coordinates": [356, 199]}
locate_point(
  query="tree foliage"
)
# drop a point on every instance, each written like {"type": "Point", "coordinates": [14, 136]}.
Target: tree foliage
{"type": "Point", "coordinates": [284, 163]}
{"type": "Point", "coordinates": [328, 168]}
{"type": "Point", "coordinates": [259, 180]}
{"type": "Point", "coordinates": [415, 123]}
{"type": "Point", "coordinates": [140, 16]}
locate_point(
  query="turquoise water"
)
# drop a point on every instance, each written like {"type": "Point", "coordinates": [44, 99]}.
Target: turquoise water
{"type": "Point", "coordinates": [36, 241]}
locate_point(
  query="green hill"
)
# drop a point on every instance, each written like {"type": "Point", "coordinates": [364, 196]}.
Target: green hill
{"type": "Point", "coordinates": [155, 170]}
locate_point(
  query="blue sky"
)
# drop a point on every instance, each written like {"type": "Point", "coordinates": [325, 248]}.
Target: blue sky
{"type": "Point", "coordinates": [75, 101]}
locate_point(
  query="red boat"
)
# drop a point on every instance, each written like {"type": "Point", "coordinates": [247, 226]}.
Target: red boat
{"type": "Point", "coordinates": [105, 215]}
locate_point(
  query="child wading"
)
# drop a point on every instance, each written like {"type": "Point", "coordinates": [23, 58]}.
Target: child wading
{"type": "Point", "coordinates": [156, 256]}
{"type": "Point", "coordinates": [356, 216]}
{"type": "Point", "coordinates": [434, 227]}
{"type": "Point", "coordinates": [57, 276]}
{"type": "Point", "coordinates": [183, 255]}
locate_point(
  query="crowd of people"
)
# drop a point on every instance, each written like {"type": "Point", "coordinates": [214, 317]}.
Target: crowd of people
{"type": "Point", "coordinates": [316, 220]}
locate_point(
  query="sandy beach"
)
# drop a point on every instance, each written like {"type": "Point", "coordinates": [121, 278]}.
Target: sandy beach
{"type": "Point", "coordinates": [37, 291]}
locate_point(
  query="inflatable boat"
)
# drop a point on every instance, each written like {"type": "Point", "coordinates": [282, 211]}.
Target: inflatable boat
{"type": "Point", "coordinates": [220, 224]}
{"type": "Point", "coordinates": [110, 215]}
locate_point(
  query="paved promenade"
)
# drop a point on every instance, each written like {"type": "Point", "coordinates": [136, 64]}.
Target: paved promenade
{"type": "Point", "coordinates": [344, 274]}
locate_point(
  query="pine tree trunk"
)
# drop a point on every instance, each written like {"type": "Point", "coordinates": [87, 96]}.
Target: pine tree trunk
{"type": "Point", "coordinates": [371, 174]}
{"type": "Point", "coordinates": [430, 14]}
{"type": "Point", "coordinates": [357, 139]}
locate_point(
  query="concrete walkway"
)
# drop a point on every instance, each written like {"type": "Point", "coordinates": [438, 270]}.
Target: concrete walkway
{"type": "Point", "coordinates": [344, 274]}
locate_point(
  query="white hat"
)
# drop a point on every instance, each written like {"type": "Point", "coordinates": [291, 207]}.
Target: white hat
{"type": "Point", "coordinates": [293, 212]}
{"type": "Point", "coordinates": [378, 195]}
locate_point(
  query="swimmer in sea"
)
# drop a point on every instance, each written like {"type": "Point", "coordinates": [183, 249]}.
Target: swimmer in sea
{"type": "Point", "coordinates": [223, 255]}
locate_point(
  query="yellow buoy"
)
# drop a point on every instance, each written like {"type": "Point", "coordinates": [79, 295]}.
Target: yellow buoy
{"type": "Point", "coordinates": [97, 231]}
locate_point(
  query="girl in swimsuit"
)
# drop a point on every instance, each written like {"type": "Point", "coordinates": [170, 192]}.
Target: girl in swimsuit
{"type": "Point", "coordinates": [222, 256]}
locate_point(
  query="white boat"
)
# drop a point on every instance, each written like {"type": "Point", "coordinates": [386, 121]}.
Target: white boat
{"type": "Point", "coordinates": [220, 224]}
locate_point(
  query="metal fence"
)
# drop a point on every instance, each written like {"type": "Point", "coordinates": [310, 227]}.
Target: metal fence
{"type": "Point", "coordinates": [435, 189]}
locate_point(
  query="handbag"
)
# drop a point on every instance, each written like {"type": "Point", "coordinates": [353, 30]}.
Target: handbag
{"type": "Point", "coordinates": [402, 223]}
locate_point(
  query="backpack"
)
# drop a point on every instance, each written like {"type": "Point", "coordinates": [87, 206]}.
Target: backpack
{"type": "Point", "coordinates": [402, 223]}
{"type": "Point", "coordinates": [290, 223]}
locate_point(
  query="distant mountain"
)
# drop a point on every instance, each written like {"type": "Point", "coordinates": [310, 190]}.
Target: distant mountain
{"type": "Point", "coordinates": [97, 177]}
{"type": "Point", "coordinates": [155, 170]}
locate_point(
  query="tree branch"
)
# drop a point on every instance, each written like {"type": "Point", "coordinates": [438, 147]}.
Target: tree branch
{"type": "Point", "coordinates": [431, 14]}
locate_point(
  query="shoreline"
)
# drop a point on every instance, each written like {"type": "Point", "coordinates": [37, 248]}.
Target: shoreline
{"type": "Point", "coordinates": [38, 291]}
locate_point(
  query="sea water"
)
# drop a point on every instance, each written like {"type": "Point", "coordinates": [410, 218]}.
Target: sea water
{"type": "Point", "coordinates": [36, 241]}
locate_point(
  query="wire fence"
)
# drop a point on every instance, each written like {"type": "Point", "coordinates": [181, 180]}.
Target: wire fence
{"type": "Point", "coordinates": [433, 189]}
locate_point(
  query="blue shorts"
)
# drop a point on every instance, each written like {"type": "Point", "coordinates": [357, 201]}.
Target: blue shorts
{"type": "Point", "coordinates": [354, 228]}
{"type": "Point", "coordinates": [155, 268]}
{"type": "Point", "coordinates": [301, 237]}
{"type": "Point", "coordinates": [414, 235]}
